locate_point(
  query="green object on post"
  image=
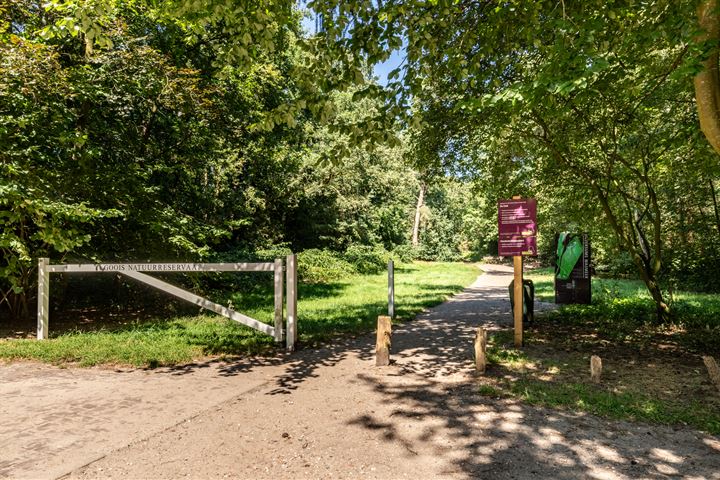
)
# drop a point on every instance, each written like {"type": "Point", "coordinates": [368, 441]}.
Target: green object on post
{"type": "Point", "coordinates": [528, 300]}
{"type": "Point", "coordinates": [569, 251]}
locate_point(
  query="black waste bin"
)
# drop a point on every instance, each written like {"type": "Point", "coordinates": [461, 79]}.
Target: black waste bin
{"type": "Point", "coordinates": [528, 301]}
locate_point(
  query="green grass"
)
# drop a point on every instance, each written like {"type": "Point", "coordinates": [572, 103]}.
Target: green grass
{"type": "Point", "coordinates": [623, 310]}
{"type": "Point", "coordinates": [624, 406]}
{"type": "Point", "coordinates": [324, 310]}
{"type": "Point", "coordinates": [538, 382]}
{"type": "Point", "coordinates": [601, 287]}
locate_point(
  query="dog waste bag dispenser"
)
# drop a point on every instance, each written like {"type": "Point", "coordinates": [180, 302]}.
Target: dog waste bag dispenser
{"type": "Point", "coordinates": [528, 300]}
{"type": "Point", "coordinates": [572, 268]}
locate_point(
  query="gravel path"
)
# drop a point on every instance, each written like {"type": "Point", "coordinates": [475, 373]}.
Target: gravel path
{"type": "Point", "coordinates": [327, 413]}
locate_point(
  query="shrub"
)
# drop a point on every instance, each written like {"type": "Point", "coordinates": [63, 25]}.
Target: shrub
{"type": "Point", "coordinates": [237, 254]}
{"type": "Point", "coordinates": [366, 259]}
{"type": "Point", "coordinates": [322, 266]}
{"type": "Point", "coordinates": [439, 253]}
{"type": "Point", "coordinates": [240, 282]}
{"type": "Point", "coordinates": [615, 263]}
{"type": "Point", "coordinates": [404, 253]}
{"type": "Point", "coordinates": [271, 253]}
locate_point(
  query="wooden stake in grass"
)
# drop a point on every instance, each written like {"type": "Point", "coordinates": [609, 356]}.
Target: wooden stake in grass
{"type": "Point", "coordinates": [480, 344]}
{"type": "Point", "coordinates": [382, 346]}
{"type": "Point", "coordinates": [595, 368]}
{"type": "Point", "coordinates": [713, 370]}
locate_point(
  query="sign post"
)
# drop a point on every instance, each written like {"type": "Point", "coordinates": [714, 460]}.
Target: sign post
{"type": "Point", "coordinates": [518, 296]}
{"type": "Point", "coordinates": [517, 232]}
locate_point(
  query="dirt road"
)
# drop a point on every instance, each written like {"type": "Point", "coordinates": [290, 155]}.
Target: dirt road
{"type": "Point", "coordinates": [327, 413]}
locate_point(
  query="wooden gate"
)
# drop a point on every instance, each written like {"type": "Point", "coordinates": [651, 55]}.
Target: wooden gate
{"type": "Point", "coordinates": [134, 271]}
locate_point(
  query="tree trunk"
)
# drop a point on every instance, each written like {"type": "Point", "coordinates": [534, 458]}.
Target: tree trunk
{"type": "Point", "coordinates": [715, 204]}
{"type": "Point", "coordinates": [651, 282]}
{"type": "Point", "coordinates": [707, 82]}
{"type": "Point", "coordinates": [646, 255]}
{"type": "Point", "coordinates": [647, 265]}
{"type": "Point", "coordinates": [416, 224]}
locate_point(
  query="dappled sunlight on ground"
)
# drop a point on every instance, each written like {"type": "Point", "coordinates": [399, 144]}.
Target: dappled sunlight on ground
{"type": "Point", "coordinates": [328, 412]}
{"type": "Point", "coordinates": [433, 382]}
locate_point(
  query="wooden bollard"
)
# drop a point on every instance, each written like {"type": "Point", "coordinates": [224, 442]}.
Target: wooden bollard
{"type": "Point", "coordinates": [595, 368]}
{"type": "Point", "coordinates": [713, 370]}
{"type": "Point", "coordinates": [382, 346]}
{"type": "Point", "coordinates": [480, 345]}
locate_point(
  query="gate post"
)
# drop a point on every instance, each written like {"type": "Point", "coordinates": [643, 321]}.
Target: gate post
{"type": "Point", "coordinates": [291, 278]}
{"type": "Point", "coordinates": [391, 289]}
{"type": "Point", "coordinates": [278, 270]}
{"type": "Point", "coordinates": [43, 305]}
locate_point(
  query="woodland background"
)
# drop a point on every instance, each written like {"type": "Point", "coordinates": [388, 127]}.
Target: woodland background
{"type": "Point", "coordinates": [147, 141]}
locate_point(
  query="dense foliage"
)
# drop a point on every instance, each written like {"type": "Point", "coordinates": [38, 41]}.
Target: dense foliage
{"type": "Point", "coordinates": [588, 106]}
{"type": "Point", "coordinates": [134, 129]}
{"type": "Point", "coordinates": [145, 147]}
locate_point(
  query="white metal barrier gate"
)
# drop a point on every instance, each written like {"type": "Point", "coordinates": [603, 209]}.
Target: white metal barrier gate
{"type": "Point", "coordinates": [134, 270]}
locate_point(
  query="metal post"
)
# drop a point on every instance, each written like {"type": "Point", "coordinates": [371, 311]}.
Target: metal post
{"type": "Point", "coordinates": [278, 281]}
{"type": "Point", "coordinates": [291, 278]}
{"type": "Point", "coordinates": [43, 306]}
{"type": "Point", "coordinates": [391, 289]}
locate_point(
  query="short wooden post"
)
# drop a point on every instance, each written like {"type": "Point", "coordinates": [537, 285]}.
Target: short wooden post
{"type": "Point", "coordinates": [382, 344]}
{"type": "Point", "coordinates": [480, 346]}
{"type": "Point", "coordinates": [391, 289]}
{"type": "Point", "coordinates": [595, 368]}
{"type": "Point", "coordinates": [43, 306]}
{"type": "Point", "coordinates": [291, 279]}
{"type": "Point", "coordinates": [713, 370]}
{"type": "Point", "coordinates": [518, 299]}
{"type": "Point", "coordinates": [278, 282]}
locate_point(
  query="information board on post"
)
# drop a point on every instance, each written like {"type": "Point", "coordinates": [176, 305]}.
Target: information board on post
{"type": "Point", "coordinates": [517, 227]}
{"type": "Point", "coordinates": [573, 274]}
{"type": "Point", "coordinates": [517, 237]}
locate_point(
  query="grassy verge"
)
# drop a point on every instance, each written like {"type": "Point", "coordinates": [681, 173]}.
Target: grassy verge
{"type": "Point", "coordinates": [552, 370]}
{"type": "Point", "coordinates": [623, 311]}
{"type": "Point", "coordinates": [324, 310]}
{"type": "Point", "coordinates": [623, 406]}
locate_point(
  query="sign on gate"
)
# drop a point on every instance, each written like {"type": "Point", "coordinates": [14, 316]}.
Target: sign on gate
{"type": "Point", "coordinates": [134, 271]}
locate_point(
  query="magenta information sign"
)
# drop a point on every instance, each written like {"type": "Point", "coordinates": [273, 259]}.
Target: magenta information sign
{"type": "Point", "coordinates": [517, 227]}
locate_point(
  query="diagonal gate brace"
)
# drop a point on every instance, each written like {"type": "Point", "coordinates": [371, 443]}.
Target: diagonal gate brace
{"type": "Point", "coordinates": [202, 302]}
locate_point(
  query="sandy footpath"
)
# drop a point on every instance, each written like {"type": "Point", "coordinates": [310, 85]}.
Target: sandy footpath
{"type": "Point", "coordinates": [327, 413]}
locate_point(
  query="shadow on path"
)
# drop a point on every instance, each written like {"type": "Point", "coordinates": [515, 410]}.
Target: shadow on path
{"type": "Point", "coordinates": [436, 409]}
{"type": "Point", "coordinates": [478, 436]}
{"type": "Point", "coordinates": [429, 404]}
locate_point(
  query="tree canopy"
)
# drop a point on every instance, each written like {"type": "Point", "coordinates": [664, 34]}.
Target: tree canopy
{"type": "Point", "coordinates": [139, 128]}
{"type": "Point", "coordinates": [580, 95]}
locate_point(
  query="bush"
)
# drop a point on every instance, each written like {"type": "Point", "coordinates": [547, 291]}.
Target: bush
{"type": "Point", "coordinates": [439, 253]}
{"type": "Point", "coordinates": [322, 266]}
{"type": "Point", "coordinates": [236, 254]}
{"type": "Point", "coordinates": [615, 263]}
{"type": "Point", "coordinates": [366, 259]}
{"type": "Point", "coordinates": [233, 280]}
{"type": "Point", "coordinates": [404, 253]}
{"type": "Point", "coordinates": [271, 253]}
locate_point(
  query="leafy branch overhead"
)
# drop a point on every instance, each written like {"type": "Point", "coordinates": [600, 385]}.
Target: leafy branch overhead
{"type": "Point", "coordinates": [188, 128]}
{"type": "Point", "coordinates": [456, 39]}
